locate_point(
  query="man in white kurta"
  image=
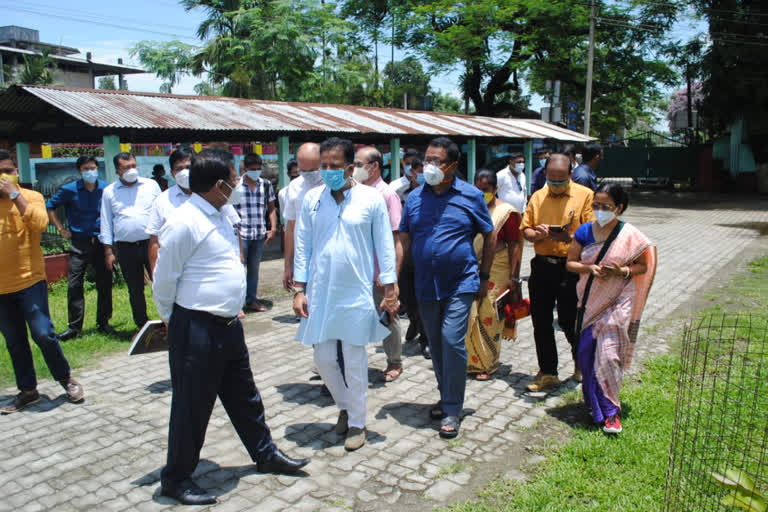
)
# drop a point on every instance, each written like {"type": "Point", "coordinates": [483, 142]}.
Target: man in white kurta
{"type": "Point", "coordinates": [342, 225]}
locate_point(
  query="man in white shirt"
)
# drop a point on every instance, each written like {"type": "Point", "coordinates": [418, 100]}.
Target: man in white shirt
{"type": "Point", "coordinates": [125, 208]}
{"type": "Point", "coordinates": [511, 181]}
{"type": "Point", "coordinates": [343, 226]}
{"type": "Point", "coordinates": [308, 157]}
{"type": "Point", "coordinates": [198, 289]}
{"type": "Point", "coordinates": [292, 168]}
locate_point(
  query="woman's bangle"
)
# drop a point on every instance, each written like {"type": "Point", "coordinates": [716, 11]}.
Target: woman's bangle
{"type": "Point", "coordinates": [629, 272]}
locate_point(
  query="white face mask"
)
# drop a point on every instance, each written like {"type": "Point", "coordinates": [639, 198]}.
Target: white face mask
{"type": "Point", "coordinates": [131, 175]}
{"type": "Point", "coordinates": [236, 195]}
{"type": "Point", "coordinates": [603, 217]}
{"type": "Point", "coordinates": [519, 168]}
{"type": "Point", "coordinates": [182, 178]}
{"type": "Point", "coordinates": [433, 175]}
{"type": "Point", "coordinates": [312, 177]}
{"type": "Point", "coordinates": [361, 174]}
{"type": "Point", "coordinates": [578, 157]}
{"type": "Point", "coordinates": [254, 175]}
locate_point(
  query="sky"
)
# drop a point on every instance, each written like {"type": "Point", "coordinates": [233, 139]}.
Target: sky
{"type": "Point", "coordinates": [108, 29]}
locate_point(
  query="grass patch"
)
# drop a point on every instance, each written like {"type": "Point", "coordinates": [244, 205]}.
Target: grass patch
{"type": "Point", "coordinates": [451, 470]}
{"type": "Point", "coordinates": [91, 344]}
{"type": "Point", "coordinates": [595, 472]}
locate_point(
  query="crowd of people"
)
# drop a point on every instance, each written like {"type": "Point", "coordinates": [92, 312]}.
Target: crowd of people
{"type": "Point", "coordinates": [359, 254]}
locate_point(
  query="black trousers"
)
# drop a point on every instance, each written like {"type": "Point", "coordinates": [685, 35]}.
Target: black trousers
{"type": "Point", "coordinates": [549, 285]}
{"type": "Point", "coordinates": [407, 285]}
{"type": "Point", "coordinates": [88, 251]}
{"type": "Point", "coordinates": [209, 359]}
{"type": "Point", "coordinates": [133, 258]}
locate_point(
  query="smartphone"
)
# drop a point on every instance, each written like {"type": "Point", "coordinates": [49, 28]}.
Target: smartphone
{"type": "Point", "coordinates": [384, 318]}
{"type": "Point", "coordinates": [556, 229]}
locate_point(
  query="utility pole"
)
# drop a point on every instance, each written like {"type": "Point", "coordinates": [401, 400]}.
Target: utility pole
{"type": "Point", "coordinates": [590, 65]}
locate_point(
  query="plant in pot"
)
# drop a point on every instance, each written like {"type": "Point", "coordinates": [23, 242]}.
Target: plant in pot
{"type": "Point", "coordinates": [56, 255]}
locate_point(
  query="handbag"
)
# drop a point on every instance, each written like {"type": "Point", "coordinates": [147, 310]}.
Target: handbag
{"type": "Point", "coordinates": [583, 307]}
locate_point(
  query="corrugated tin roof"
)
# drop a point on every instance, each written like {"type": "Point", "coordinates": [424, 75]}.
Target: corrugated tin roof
{"type": "Point", "coordinates": [147, 111]}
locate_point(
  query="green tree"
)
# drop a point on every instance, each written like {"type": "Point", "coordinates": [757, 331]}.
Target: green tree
{"type": "Point", "coordinates": [37, 69]}
{"type": "Point", "coordinates": [107, 82]}
{"type": "Point", "coordinates": [446, 103]}
{"type": "Point", "coordinates": [370, 16]}
{"type": "Point", "coordinates": [168, 60]}
{"type": "Point", "coordinates": [406, 76]}
{"type": "Point", "coordinates": [498, 43]}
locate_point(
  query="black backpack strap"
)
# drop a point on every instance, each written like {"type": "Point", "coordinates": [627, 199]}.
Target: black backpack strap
{"type": "Point", "coordinates": [607, 245]}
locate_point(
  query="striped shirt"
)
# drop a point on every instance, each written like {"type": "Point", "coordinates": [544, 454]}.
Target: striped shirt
{"type": "Point", "coordinates": [253, 209]}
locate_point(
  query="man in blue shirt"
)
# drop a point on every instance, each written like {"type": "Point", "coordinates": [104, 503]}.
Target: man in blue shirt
{"type": "Point", "coordinates": [584, 174]}
{"type": "Point", "coordinates": [440, 221]}
{"type": "Point", "coordinates": [538, 178]}
{"type": "Point", "coordinates": [81, 200]}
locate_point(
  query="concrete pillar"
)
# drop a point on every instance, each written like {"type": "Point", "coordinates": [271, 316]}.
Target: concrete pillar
{"type": "Point", "coordinates": [111, 148]}
{"type": "Point", "coordinates": [23, 163]}
{"type": "Point", "coordinates": [394, 160]}
{"type": "Point", "coordinates": [283, 155]}
{"type": "Point", "coordinates": [471, 160]}
{"type": "Point", "coordinates": [528, 150]}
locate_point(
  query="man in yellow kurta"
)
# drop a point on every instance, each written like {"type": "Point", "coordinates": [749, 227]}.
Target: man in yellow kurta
{"type": "Point", "coordinates": [23, 290]}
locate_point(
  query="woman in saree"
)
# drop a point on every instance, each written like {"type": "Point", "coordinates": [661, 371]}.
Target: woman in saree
{"type": "Point", "coordinates": [612, 294]}
{"type": "Point", "coordinates": [485, 331]}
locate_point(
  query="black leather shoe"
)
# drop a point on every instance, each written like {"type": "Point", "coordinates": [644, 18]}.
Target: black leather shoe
{"type": "Point", "coordinates": [281, 463]}
{"type": "Point", "coordinates": [107, 329]}
{"type": "Point", "coordinates": [188, 493]}
{"type": "Point", "coordinates": [425, 350]}
{"type": "Point", "coordinates": [68, 334]}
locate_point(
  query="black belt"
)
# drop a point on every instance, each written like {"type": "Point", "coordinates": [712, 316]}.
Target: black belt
{"type": "Point", "coordinates": [209, 317]}
{"type": "Point", "coordinates": [552, 260]}
{"type": "Point", "coordinates": [139, 242]}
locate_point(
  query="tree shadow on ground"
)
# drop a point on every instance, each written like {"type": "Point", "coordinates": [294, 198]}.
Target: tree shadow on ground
{"type": "Point", "coordinates": [303, 393]}
{"type": "Point", "coordinates": [518, 381]}
{"type": "Point", "coordinates": [217, 480]}
{"type": "Point", "coordinates": [577, 415]}
{"type": "Point", "coordinates": [45, 404]}
{"type": "Point", "coordinates": [159, 387]}
{"type": "Point", "coordinates": [415, 415]}
{"type": "Point", "coordinates": [319, 436]}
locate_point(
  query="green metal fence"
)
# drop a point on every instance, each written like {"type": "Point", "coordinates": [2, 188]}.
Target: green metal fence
{"type": "Point", "coordinates": [650, 156]}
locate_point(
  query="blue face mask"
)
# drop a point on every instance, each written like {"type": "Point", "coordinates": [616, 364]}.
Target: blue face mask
{"type": "Point", "coordinates": [333, 178]}
{"type": "Point", "coordinates": [420, 178]}
{"type": "Point", "coordinates": [557, 183]}
{"type": "Point", "coordinates": [90, 176]}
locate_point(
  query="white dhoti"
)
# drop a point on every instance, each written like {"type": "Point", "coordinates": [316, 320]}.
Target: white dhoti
{"type": "Point", "coordinates": [350, 388]}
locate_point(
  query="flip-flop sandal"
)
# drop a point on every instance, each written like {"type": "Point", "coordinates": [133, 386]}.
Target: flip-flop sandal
{"type": "Point", "coordinates": [482, 376]}
{"type": "Point", "coordinates": [436, 412]}
{"type": "Point", "coordinates": [452, 422]}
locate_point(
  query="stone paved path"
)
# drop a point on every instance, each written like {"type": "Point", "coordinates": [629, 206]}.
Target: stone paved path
{"type": "Point", "coordinates": [106, 454]}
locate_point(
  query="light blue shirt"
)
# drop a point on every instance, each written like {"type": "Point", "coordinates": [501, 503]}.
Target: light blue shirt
{"type": "Point", "coordinates": [198, 264]}
{"type": "Point", "coordinates": [335, 247]}
{"type": "Point", "coordinates": [125, 210]}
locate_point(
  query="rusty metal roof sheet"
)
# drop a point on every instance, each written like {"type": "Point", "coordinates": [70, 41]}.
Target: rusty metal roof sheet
{"type": "Point", "coordinates": [148, 111]}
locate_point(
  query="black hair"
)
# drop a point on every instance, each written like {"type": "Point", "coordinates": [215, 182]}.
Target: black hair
{"type": "Point", "coordinates": [158, 170]}
{"type": "Point", "coordinates": [515, 155]}
{"type": "Point", "coordinates": [82, 160]}
{"type": "Point", "coordinates": [543, 149]}
{"type": "Point", "coordinates": [180, 154]}
{"type": "Point", "coordinates": [208, 167]}
{"type": "Point", "coordinates": [418, 161]}
{"type": "Point", "coordinates": [412, 152]}
{"type": "Point", "coordinates": [5, 155]}
{"type": "Point", "coordinates": [450, 147]}
{"type": "Point", "coordinates": [346, 146]}
{"type": "Point", "coordinates": [252, 159]}
{"type": "Point", "coordinates": [121, 156]}
{"type": "Point", "coordinates": [375, 156]}
{"type": "Point", "coordinates": [569, 149]}
{"type": "Point", "coordinates": [617, 194]}
{"type": "Point", "coordinates": [488, 175]}
{"type": "Point", "coordinates": [590, 151]}
{"type": "Point", "coordinates": [291, 164]}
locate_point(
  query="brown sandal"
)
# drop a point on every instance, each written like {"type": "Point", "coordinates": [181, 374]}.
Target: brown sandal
{"type": "Point", "coordinates": [392, 372]}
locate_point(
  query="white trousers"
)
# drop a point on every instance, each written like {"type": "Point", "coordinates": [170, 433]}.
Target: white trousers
{"type": "Point", "coordinates": [349, 396]}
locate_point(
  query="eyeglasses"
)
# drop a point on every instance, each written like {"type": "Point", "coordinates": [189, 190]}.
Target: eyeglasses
{"type": "Point", "coordinates": [603, 207]}
{"type": "Point", "coordinates": [434, 161]}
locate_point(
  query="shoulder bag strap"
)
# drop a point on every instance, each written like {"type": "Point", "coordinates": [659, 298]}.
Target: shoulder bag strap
{"type": "Point", "coordinates": [600, 256]}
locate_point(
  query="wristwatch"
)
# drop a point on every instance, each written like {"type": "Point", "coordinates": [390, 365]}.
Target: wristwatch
{"type": "Point", "coordinates": [13, 195]}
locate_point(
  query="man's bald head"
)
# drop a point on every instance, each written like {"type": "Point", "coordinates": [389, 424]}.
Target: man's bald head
{"type": "Point", "coordinates": [370, 158]}
{"type": "Point", "coordinates": [308, 157]}
{"type": "Point", "coordinates": [558, 167]}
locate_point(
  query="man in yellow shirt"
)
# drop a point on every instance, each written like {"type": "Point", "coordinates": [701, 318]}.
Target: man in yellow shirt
{"type": "Point", "coordinates": [552, 216]}
{"type": "Point", "coordinates": [23, 290]}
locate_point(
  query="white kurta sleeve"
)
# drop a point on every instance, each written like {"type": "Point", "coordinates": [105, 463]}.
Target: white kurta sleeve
{"type": "Point", "coordinates": [303, 242]}
{"type": "Point", "coordinates": [383, 243]}
{"type": "Point", "coordinates": [176, 245]}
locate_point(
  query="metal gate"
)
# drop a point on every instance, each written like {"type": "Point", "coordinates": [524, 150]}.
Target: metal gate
{"type": "Point", "coordinates": [650, 157]}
